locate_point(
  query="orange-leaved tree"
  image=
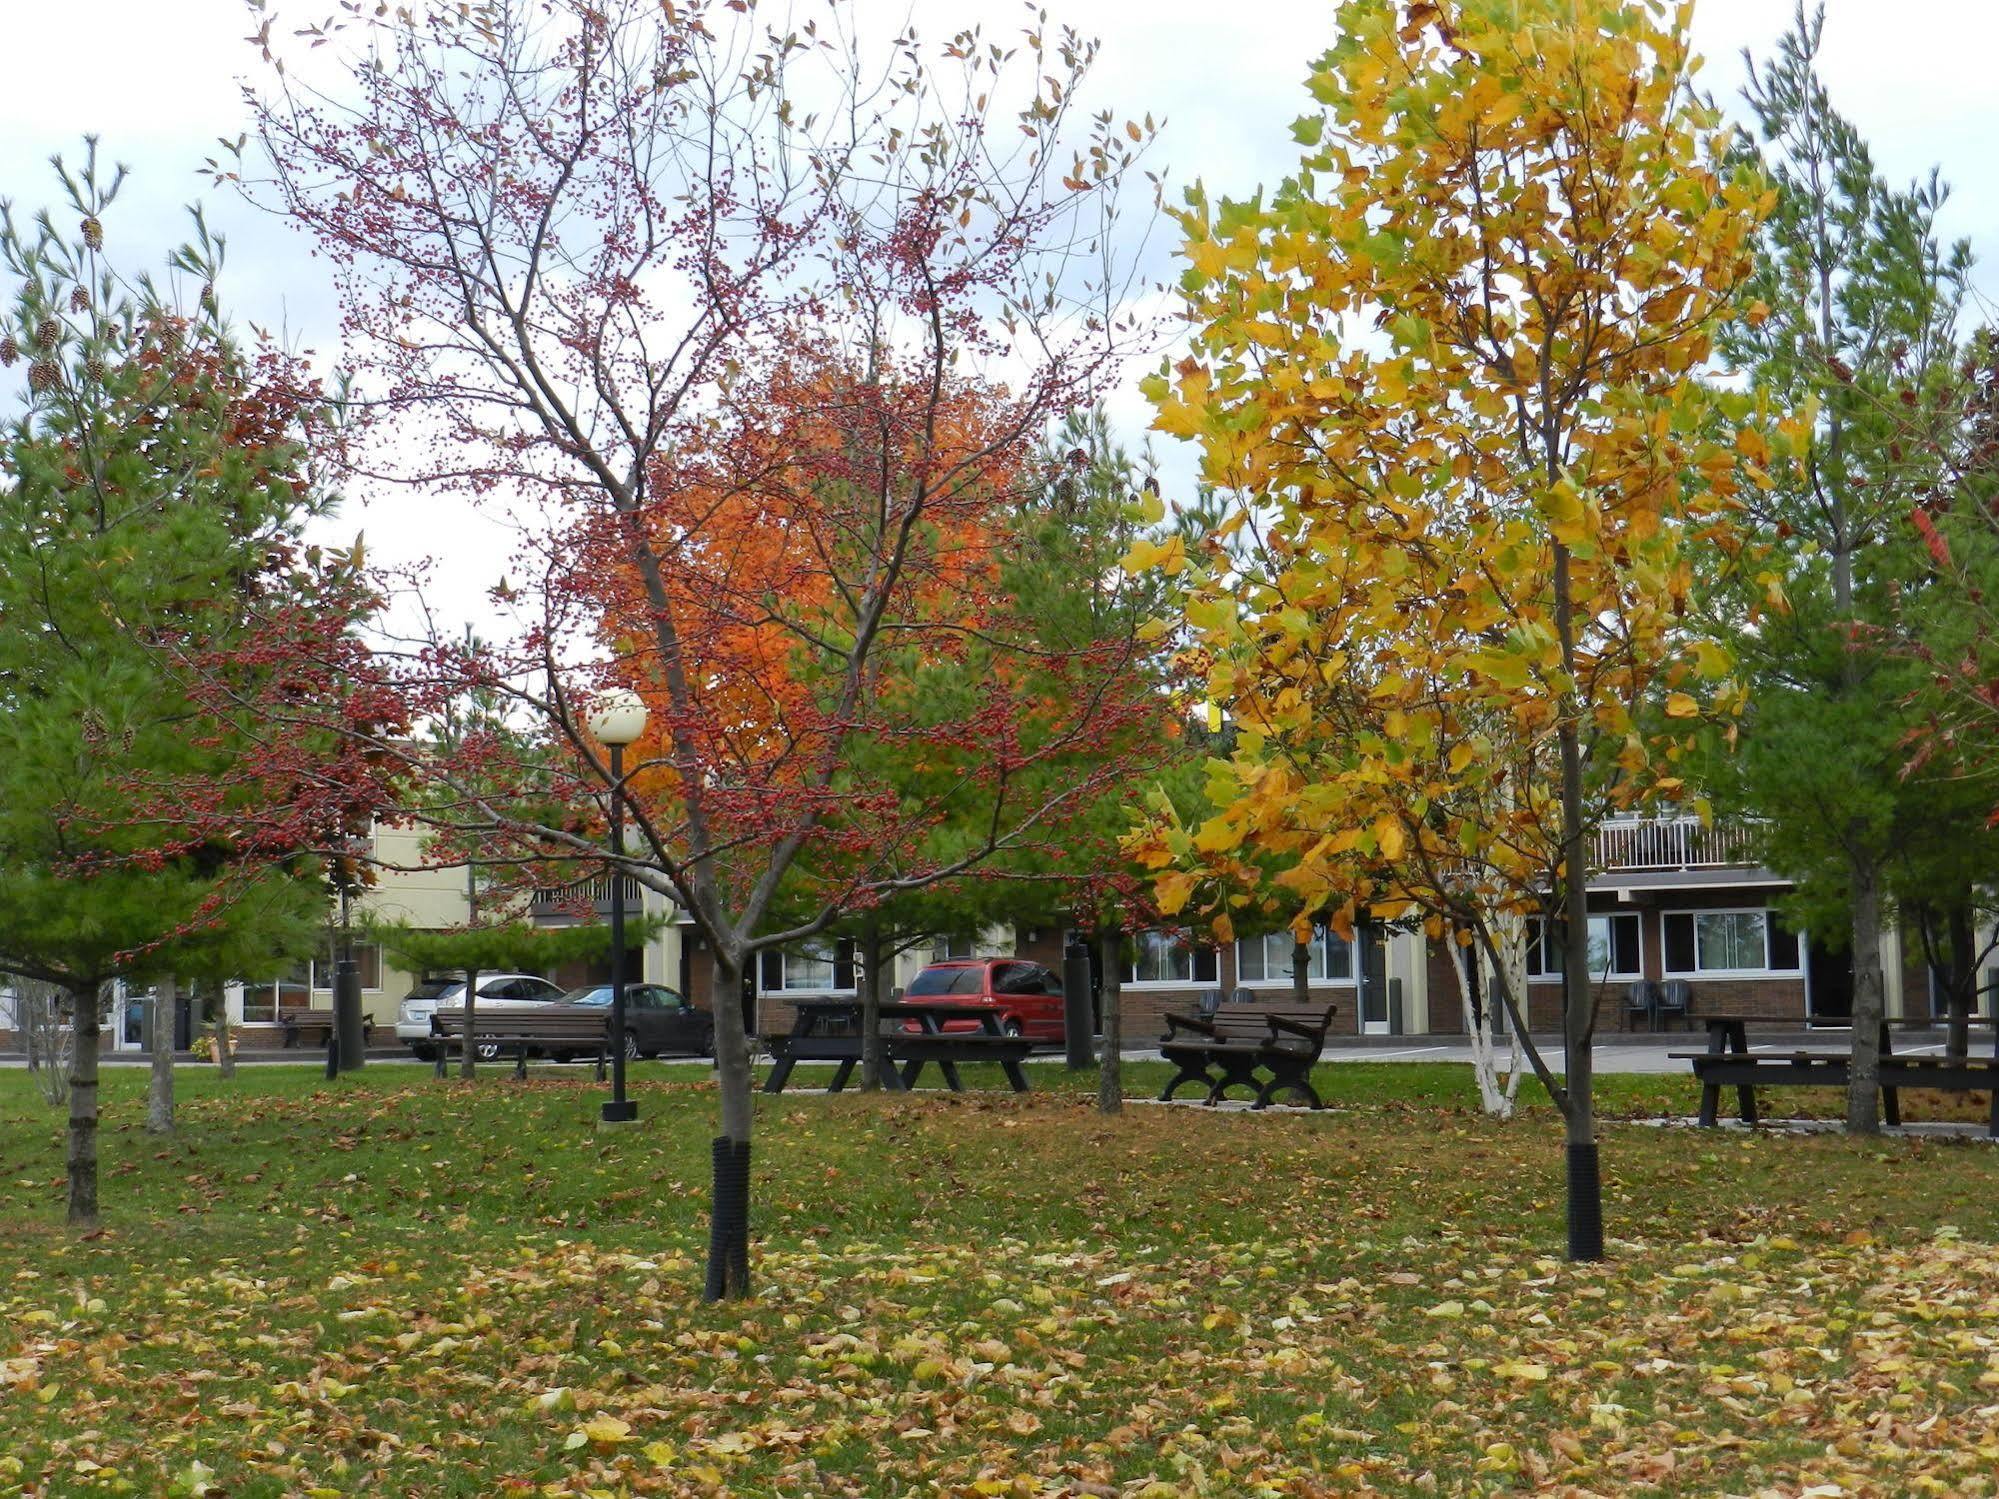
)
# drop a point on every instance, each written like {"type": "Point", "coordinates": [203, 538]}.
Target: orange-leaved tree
{"type": "Point", "coordinates": [719, 316]}
{"type": "Point", "coordinates": [1448, 373]}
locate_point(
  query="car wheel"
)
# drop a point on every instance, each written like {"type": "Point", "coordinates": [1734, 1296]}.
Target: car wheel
{"type": "Point", "coordinates": [487, 1051]}
{"type": "Point", "coordinates": [707, 1045]}
{"type": "Point", "coordinates": [561, 1056]}
{"type": "Point", "coordinates": [424, 1053]}
{"type": "Point", "coordinates": [631, 1046]}
{"type": "Point", "coordinates": [1012, 1026]}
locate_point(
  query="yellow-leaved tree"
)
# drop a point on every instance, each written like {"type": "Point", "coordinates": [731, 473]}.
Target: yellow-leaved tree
{"type": "Point", "coordinates": [1449, 376]}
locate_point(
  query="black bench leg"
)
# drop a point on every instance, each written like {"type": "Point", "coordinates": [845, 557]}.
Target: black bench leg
{"type": "Point", "coordinates": [1891, 1099]}
{"type": "Point", "coordinates": [1016, 1075]}
{"type": "Point", "coordinates": [1289, 1081]}
{"type": "Point", "coordinates": [1186, 1075]}
{"type": "Point", "coordinates": [600, 1064]}
{"type": "Point", "coordinates": [440, 1059]}
{"type": "Point", "coordinates": [1992, 1125]}
{"type": "Point", "coordinates": [1745, 1098]}
{"type": "Point", "coordinates": [779, 1075]}
{"type": "Point", "coordinates": [521, 1060]}
{"type": "Point", "coordinates": [950, 1071]}
{"type": "Point", "coordinates": [840, 1075]}
{"type": "Point", "coordinates": [911, 1071]}
{"type": "Point", "coordinates": [1710, 1104]}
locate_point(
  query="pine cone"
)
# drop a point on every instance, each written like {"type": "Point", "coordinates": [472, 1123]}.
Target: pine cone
{"type": "Point", "coordinates": [9, 350]}
{"type": "Point", "coordinates": [93, 234]}
{"type": "Point", "coordinates": [43, 376]}
{"type": "Point", "coordinates": [94, 368]}
{"type": "Point", "coordinates": [45, 333]}
{"type": "Point", "coordinates": [79, 300]}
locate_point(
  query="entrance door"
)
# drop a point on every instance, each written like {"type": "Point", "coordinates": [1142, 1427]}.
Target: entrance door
{"type": "Point", "coordinates": [1828, 983]}
{"type": "Point", "coordinates": [1371, 980]}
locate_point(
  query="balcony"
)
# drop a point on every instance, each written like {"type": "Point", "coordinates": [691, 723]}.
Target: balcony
{"type": "Point", "coordinates": [1671, 845]}
{"type": "Point", "coordinates": [582, 900]}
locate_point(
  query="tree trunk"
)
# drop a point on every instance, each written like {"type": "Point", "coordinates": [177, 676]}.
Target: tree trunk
{"type": "Point", "coordinates": [1578, 993]}
{"type": "Point", "coordinates": [1863, 1077]}
{"type": "Point", "coordinates": [1481, 1025]}
{"type": "Point", "coordinates": [225, 1053]}
{"type": "Point", "coordinates": [729, 1221]}
{"type": "Point", "coordinates": [466, 1052]}
{"type": "Point", "coordinates": [160, 1044]}
{"type": "Point", "coordinates": [1961, 987]}
{"type": "Point", "coordinates": [83, 1110]}
{"type": "Point", "coordinates": [872, 994]}
{"type": "Point", "coordinates": [1110, 1065]}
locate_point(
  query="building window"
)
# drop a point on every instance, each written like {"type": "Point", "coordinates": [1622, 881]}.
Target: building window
{"type": "Point", "coordinates": [808, 968]}
{"type": "Point", "coordinates": [944, 949]}
{"type": "Point", "coordinates": [1614, 950]}
{"type": "Point", "coordinates": [1163, 958]}
{"type": "Point", "coordinates": [1749, 941]}
{"type": "Point", "coordinates": [1267, 959]}
{"type": "Point", "coordinates": [309, 986]}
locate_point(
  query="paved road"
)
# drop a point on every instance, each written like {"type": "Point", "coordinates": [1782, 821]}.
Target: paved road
{"type": "Point", "coordinates": [1614, 1053]}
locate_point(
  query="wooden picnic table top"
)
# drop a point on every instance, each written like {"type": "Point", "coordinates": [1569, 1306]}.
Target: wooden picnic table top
{"type": "Point", "coordinates": [932, 1015]}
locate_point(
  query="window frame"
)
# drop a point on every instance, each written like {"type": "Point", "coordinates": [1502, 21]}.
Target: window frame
{"type": "Point", "coordinates": [1128, 979]}
{"type": "Point", "coordinates": [1694, 913]}
{"type": "Point", "coordinates": [784, 987]}
{"type": "Point", "coordinates": [1545, 975]}
{"type": "Point", "coordinates": [1322, 948]}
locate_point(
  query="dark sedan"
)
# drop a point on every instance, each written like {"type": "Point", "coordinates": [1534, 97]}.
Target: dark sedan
{"type": "Point", "coordinates": [657, 1019]}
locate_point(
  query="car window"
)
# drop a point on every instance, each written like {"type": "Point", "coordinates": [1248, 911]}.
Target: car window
{"type": "Point", "coordinates": [934, 981]}
{"type": "Point", "coordinates": [1050, 981]}
{"type": "Point", "coordinates": [969, 981]}
{"type": "Point", "coordinates": [1012, 978]}
{"type": "Point", "coordinates": [531, 988]}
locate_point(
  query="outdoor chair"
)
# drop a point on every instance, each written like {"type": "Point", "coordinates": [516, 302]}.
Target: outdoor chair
{"type": "Point", "coordinates": [1243, 997]}
{"type": "Point", "coordinates": [1641, 1002]}
{"type": "Point", "coordinates": [1211, 1001]}
{"type": "Point", "coordinates": [1676, 998]}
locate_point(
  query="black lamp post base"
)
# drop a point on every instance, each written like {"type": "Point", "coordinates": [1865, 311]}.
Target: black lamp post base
{"type": "Point", "coordinates": [619, 1111]}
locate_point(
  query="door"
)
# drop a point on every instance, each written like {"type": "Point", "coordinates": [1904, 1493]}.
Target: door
{"type": "Point", "coordinates": [1828, 983]}
{"type": "Point", "coordinates": [1371, 980]}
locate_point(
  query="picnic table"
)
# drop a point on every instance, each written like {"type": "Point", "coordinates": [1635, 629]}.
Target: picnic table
{"type": "Point", "coordinates": [829, 1030]}
{"type": "Point", "coordinates": [1728, 1062]}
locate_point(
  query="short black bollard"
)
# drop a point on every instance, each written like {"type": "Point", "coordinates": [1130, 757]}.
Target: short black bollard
{"type": "Point", "coordinates": [1078, 1019]}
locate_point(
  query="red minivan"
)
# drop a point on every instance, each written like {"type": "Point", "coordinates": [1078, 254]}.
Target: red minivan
{"type": "Point", "coordinates": [1028, 996]}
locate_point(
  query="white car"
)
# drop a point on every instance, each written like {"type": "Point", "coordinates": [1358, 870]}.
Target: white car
{"type": "Point", "coordinates": [498, 991]}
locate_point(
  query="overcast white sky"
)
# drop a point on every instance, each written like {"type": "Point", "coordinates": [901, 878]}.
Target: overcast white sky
{"type": "Point", "coordinates": [159, 81]}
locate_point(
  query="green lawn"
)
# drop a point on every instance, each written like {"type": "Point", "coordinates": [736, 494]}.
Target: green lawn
{"type": "Point", "coordinates": [399, 1286]}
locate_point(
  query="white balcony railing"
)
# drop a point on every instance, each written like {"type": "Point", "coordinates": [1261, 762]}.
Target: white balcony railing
{"type": "Point", "coordinates": [1671, 843]}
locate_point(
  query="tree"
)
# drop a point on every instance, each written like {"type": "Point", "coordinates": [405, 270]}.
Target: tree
{"type": "Point", "coordinates": [708, 308]}
{"type": "Point", "coordinates": [1862, 298]}
{"type": "Point", "coordinates": [152, 491]}
{"type": "Point", "coordinates": [1446, 375]}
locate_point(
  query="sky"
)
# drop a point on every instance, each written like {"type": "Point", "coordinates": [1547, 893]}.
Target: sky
{"type": "Point", "coordinates": [160, 81]}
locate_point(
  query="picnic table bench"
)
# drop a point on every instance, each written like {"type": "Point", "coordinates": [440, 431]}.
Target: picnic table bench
{"type": "Point", "coordinates": [1728, 1062]}
{"type": "Point", "coordinates": [567, 1030]}
{"type": "Point", "coordinates": [1222, 1051]}
{"type": "Point", "coordinates": [829, 1030]}
{"type": "Point", "coordinates": [301, 1024]}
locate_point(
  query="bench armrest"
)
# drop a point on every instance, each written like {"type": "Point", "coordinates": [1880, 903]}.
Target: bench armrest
{"type": "Point", "coordinates": [1193, 1024]}
{"type": "Point", "coordinates": [1305, 1029]}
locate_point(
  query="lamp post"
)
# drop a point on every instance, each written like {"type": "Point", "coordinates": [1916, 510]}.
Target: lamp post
{"type": "Point", "coordinates": [617, 720]}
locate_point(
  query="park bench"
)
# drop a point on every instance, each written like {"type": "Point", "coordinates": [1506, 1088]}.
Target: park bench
{"type": "Point", "coordinates": [1222, 1051]}
{"type": "Point", "coordinates": [541, 1031]}
{"type": "Point", "coordinates": [315, 1027]}
{"type": "Point", "coordinates": [1729, 1063]}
